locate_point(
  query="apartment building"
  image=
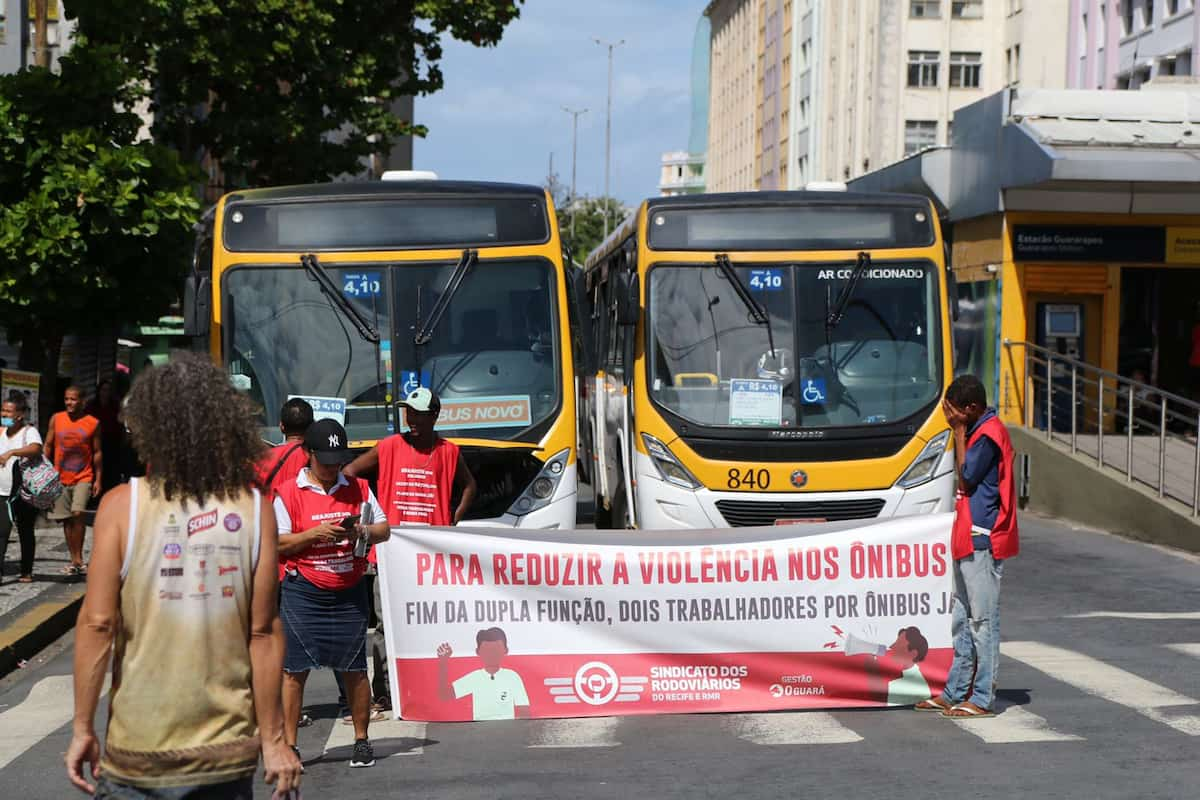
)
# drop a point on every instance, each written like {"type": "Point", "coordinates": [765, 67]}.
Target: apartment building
{"type": "Point", "coordinates": [842, 87]}
{"type": "Point", "coordinates": [16, 33]}
{"type": "Point", "coordinates": [1123, 44]}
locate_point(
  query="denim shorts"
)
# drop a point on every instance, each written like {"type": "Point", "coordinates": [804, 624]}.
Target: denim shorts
{"type": "Point", "coordinates": [240, 789]}
{"type": "Point", "coordinates": [323, 627]}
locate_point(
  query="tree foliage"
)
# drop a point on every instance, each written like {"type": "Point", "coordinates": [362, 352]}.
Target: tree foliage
{"type": "Point", "coordinates": [94, 225]}
{"type": "Point", "coordinates": [286, 91]}
{"type": "Point", "coordinates": [589, 223]}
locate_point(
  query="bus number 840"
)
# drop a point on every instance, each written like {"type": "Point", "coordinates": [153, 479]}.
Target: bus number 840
{"type": "Point", "coordinates": [748, 479]}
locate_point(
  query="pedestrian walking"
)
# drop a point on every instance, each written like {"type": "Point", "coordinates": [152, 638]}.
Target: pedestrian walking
{"type": "Point", "coordinates": [183, 590]}
{"type": "Point", "coordinates": [105, 406]}
{"type": "Point", "coordinates": [983, 538]}
{"type": "Point", "coordinates": [326, 523]}
{"type": "Point", "coordinates": [73, 445]}
{"type": "Point", "coordinates": [19, 440]}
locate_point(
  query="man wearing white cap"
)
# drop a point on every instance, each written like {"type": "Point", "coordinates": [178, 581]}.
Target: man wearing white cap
{"type": "Point", "coordinates": [419, 471]}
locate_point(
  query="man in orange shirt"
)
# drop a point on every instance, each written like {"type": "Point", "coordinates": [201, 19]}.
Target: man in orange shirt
{"type": "Point", "coordinates": [73, 446]}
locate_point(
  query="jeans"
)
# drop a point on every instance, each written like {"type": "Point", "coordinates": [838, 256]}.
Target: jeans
{"type": "Point", "coordinates": [240, 789]}
{"type": "Point", "coordinates": [975, 626]}
{"type": "Point", "coordinates": [16, 513]}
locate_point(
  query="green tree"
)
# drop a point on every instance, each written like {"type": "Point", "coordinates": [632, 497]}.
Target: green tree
{"type": "Point", "coordinates": [286, 91]}
{"type": "Point", "coordinates": [94, 224]}
{"type": "Point", "coordinates": [589, 223]}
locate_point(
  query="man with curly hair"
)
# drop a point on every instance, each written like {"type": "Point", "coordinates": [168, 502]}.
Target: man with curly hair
{"type": "Point", "coordinates": [182, 588]}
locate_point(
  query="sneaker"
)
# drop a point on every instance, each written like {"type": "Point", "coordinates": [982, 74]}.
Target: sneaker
{"type": "Point", "coordinates": [364, 754]}
{"type": "Point", "coordinates": [299, 758]}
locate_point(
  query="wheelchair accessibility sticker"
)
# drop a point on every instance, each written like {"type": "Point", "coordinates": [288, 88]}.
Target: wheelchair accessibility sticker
{"type": "Point", "coordinates": [813, 391]}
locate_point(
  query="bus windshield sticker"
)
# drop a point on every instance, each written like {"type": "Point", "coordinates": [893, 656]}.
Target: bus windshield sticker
{"type": "Point", "coordinates": [813, 392]}
{"type": "Point", "coordinates": [766, 280]}
{"type": "Point", "coordinates": [333, 408]}
{"type": "Point", "coordinates": [501, 411]}
{"type": "Point", "coordinates": [754, 402]}
{"type": "Point", "coordinates": [362, 284]}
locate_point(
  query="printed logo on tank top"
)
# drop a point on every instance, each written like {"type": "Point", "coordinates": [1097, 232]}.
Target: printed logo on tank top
{"type": "Point", "coordinates": [202, 522]}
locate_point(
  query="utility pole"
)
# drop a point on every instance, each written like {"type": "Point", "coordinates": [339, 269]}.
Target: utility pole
{"type": "Point", "coordinates": [41, 33]}
{"type": "Point", "coordinates": [574, 153]}
{"type": "Point", "coordinates": [608, 126]}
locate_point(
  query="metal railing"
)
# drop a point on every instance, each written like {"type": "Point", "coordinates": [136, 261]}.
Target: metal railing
{"type": "Point", "coordinates": [1137, 429]}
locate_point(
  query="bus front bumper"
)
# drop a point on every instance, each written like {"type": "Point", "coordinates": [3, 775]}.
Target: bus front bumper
{"type": "Point", "coordinates": [664, 506]}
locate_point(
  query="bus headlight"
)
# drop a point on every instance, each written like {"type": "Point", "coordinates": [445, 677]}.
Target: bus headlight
{"type": "Point", "coordinates": [668, 465]}
{"type": "Point", "coordinates": [923, 466]}
{"type": "Point", "coordinates": [542, 488]}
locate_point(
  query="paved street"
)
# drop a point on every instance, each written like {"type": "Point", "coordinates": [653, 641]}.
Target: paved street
{"type": "Point", "coordinates": [1099, 688]}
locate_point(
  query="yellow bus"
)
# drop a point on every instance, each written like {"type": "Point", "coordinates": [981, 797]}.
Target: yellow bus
{"type": "Point", "coordinates": [769, 358]}
{"type": "Point", "coordinates": [350, 295]}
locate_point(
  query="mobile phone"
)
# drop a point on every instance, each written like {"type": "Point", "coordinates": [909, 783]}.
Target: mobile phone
{"type": "Point", "coordinates": [349, 522]}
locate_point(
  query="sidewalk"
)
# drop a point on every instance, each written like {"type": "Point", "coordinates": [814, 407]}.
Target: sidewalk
{"type": "Point", "coordinates": [32, 615]}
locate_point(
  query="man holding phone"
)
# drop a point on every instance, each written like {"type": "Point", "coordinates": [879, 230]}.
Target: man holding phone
{"type": "Point", "coordinates": [326, 524]}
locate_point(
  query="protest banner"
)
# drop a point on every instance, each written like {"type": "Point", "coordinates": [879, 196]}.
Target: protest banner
{"type": "Point", "coordinates": [484, 625]}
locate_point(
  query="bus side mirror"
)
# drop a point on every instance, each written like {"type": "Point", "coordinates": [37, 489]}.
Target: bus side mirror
{"type": "Point", "coordinates": [197, 305]}
{"type": "Point", "coordinates": [629, 300]}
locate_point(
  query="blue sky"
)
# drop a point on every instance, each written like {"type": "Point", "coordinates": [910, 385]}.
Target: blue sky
{"type": "Point", "coordinates": [500, 114]}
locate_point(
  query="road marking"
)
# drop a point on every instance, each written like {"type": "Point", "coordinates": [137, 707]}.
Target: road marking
{"type": "Point", "coordinates": [797, 727]}
{"type": "Point", "coordinates": [1107, 682]}
{"type": "Point", "coordinates": [389, 730]}
{"type": "Point", "coordinates": [582, 732]}
{"type": "Point", "coordinates": [1014, 725]}
{"type": "Point", "coordinates": [1145, 615]}
{"type": "Point", "coordinates": [1187, 648]}
{"type": "Point", "coordinates": [49, 705]}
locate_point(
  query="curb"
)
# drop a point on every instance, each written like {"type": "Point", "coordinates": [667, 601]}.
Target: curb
{"type": "Point", "coordinates": [39, 626]}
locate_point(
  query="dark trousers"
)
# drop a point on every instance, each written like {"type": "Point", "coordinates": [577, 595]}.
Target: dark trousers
{"type": "Point", "coordinates": [16, 513]}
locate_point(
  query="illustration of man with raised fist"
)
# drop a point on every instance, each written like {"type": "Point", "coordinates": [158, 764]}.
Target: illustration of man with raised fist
{"type": "Point", "coordinates": [496, 693]}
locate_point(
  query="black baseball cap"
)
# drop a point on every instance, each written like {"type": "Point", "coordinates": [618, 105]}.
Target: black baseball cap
{"type": "Point", "coordinates": [327, 440]}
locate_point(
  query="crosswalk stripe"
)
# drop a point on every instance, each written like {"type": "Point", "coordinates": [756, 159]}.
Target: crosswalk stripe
{"type": "Point", "coordinates": [583, 732]}
{"type": "Point", "coordinates": [1187, 648]}
{"type": "Point", "coordinates": [1107, 682]}
{"type": "Point", "coordinates": [798, 727]}
{"type": "Point", "coordinates": [1014, 725]}
{"type": "Point", "coordinates": [1142, 615]}
{"type": "Point", "coordinates": [342, 735]}
{"type": "Point", "coordinates": [49, 705]}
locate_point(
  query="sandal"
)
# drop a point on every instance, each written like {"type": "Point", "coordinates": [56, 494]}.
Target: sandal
{"type": "Point", "coordinates": [967, 711]}
{"type": "Point", "coordinates": [933, 704]}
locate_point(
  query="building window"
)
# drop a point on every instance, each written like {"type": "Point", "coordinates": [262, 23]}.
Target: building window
{"type": "Point", "coordinates": [966, 9]}
{"type": "Point", "coordinates": [919, 134]}
{"type": "Point", "coordinates": [1172, 7]}
{"type": "Point", "coordinates": [1016, 65]}
{"type": "Point", "coordinates": [925, 9]}
{"type": "Point", "coordinates": [3, 27]}
{"type": "Point", "coordinates": [965, 69]}
{"type": "Point", "coordinates": [802, 108]}
{"type": "Point", "coordinates": [804, 56]}
{"type": "Point", "coordinates": [1101, 27]}
{"type": "Point", "coordinates": [1126, 17]}
{"type": "Point", "coordinates": [950, 132]}
{"type": "Point", "coordinates": [923, 68]}
{"type": "Point", "coordinates": [1147, 13]}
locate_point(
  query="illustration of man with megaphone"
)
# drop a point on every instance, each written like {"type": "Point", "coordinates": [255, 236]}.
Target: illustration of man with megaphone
{"type": "Point", "coordinates": [893, 673]}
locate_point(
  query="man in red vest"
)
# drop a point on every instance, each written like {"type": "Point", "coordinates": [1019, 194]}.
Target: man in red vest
{"type": "Point", "coordinates": [418, 470]}
{"type": "Point", "coordinates": [983, 538]}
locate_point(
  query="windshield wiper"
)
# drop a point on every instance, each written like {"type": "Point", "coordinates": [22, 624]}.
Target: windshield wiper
{"type": "Point", "coordinates": [835, 315]}
{"type": "Point", "coordinates": [318, 273]}
{"type": "Point", "coordinates": [425, 330]}
{"type": "Point", "coordinates": [758, 314]}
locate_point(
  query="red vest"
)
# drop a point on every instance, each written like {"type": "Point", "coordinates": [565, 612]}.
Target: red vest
{"type": "Point", "coordinates": [415, 487]}
{"type": "Point", "coordinates": [328, 566]}
{"type": "Point", "coordinates": [1004, 532]}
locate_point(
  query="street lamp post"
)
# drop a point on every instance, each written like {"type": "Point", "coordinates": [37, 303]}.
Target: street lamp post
{"type": "Point", "coordinates": [608, 126]}
{"type": "Point", "coordinates": [574, 150]}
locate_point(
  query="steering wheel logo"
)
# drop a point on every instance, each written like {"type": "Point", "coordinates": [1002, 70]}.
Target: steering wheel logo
{"type": "Point", "coordinates": [596, 683]}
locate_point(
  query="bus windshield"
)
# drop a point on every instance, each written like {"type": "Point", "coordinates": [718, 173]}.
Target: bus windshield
{"type": "Point", "coordinates": [712, 364]}
{"type": "Point", "coordinates": [492, 358]}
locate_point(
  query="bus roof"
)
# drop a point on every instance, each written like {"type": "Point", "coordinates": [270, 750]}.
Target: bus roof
{"type": "Point", "coordinates": [360, 189]}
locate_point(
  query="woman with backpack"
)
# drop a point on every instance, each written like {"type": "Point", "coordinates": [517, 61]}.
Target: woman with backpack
{"type": "Point", "coordinates": [19, 440]}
